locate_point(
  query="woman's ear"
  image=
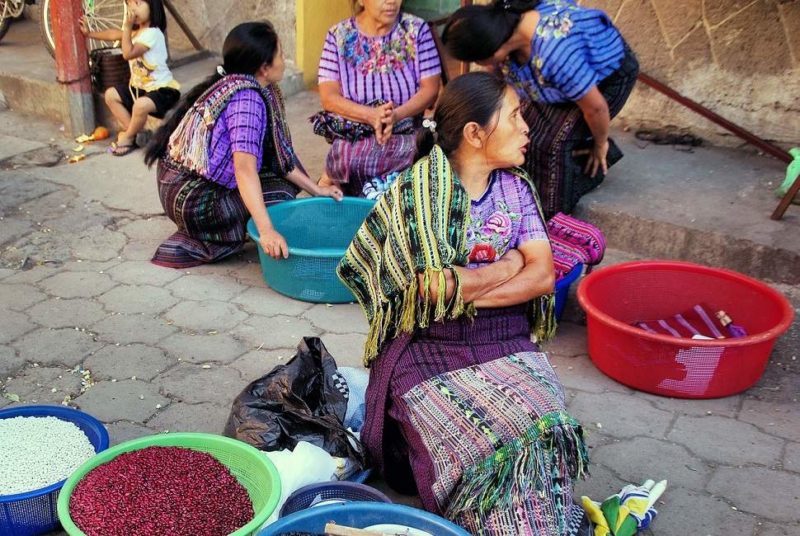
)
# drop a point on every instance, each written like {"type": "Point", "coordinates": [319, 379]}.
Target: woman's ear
{"type": "Point", "coordinates": [473, 134]}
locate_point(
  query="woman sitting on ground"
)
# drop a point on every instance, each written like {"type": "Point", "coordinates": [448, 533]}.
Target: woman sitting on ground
{"type": "Point", "coordinates": [378, 72]}
{"type": "Point", "coordinates": [454, 271]}
{"type": "Point", "coordinates": [574, 72]}
{"type": "Point", "coordinates": [152, 90]}
{"type": "Point", "coordinates": [226, 152]}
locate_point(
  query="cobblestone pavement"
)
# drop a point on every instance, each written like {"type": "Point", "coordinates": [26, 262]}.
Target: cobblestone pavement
{"type": "Point", "coordinates": [88, 321]}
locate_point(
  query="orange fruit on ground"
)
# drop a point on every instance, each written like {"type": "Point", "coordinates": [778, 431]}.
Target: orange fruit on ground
{"type": "Point", "coordinates": [100, 133]}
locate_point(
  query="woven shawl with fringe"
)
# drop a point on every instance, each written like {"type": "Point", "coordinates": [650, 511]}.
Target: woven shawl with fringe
{"type": "Point", "coordinates": [189, 143]}
{"type": "Point", "coordinates": [419, 226]}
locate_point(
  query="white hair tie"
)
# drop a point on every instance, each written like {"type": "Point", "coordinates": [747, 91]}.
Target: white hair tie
{"type": "Point", "coordinates": [221, 70]}
{"type": "Point", "coordinates": [430, 124]}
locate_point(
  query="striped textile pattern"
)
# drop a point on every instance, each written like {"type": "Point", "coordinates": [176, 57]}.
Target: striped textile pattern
{"type": "Point", "coordinates": [503, 448]}
{"type": "Point", "coordinates": [572, 50]}
{"type": "Point", "coordinates": [419, 226]}
{"type": "Point", "coordinates": [388, 67]}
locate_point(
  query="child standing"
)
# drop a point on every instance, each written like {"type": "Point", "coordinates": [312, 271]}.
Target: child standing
{"type": "Point", "coordinates": [152, 89]}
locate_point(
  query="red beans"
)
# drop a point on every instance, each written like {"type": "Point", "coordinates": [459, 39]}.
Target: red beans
{"type": "Point", "coordinates": [160, 491]}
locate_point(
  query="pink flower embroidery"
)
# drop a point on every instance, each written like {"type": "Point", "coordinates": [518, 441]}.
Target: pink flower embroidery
{"type": "Point", "coordinates": [498, 223]}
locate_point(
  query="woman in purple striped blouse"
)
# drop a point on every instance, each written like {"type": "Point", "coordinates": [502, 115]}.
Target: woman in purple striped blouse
{"type": "Point", "coordinates": [378, 72]}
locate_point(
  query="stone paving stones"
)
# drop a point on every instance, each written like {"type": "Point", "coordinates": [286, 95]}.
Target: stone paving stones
{"type": "Point", "coordinates": [44, 385]}
{"type": "Point", "coordinates": [147, 228]}
{"type": "Point", "coordinates": [772, 494]}
{"type": "Point", "coordinates": [124, 362]}
{"type": "Point", "coordinates": [20, 297]}
{"type": "Point", "coordinates": [9, 361]}
{"type": "Point", "coordinates": [32, 275]}
{"type": "Point", "coordinates": [274, 331]}
{"type": "Point", "coordinates": [65, 346]}
{"type": "Point", "coordinates": [257, 363]}
{"type": "Point", "coordinates": [205, 316]}
{"type": "Point", "coordinates": [98, 244]}
{"type": "Point", "coordinates": [570, 341]}
{"type": "Point", "coordinates": [181, 417]}
{"type": "Point", "coordinates": [77, 284]}
{"type": "Point", "coordinates": [725, 407]}
{"type": "Point", "coordinates": [621, 415]}
{"type": "Point", "coordinates": [128, 329]}
{"type": "Point", "coordinates": [143, 273]}
{"type": "Point", "coordinates": [580, 373]}
{"type": "Point", "coordinates": [726, 441]}
{"type": "Point", "coordinates": [132, 299]}
{"type": "Point", "coordinates": [683, 512]}
{"type": "Point", "coordinates": [129, 400]}
{"type": "Point", "coordinates": [265, 302]}
{"type": "Point", "coordinates": [14, 325]}
{"type": "Point", "coordinates": [602, 483]}
{"type": "Point", "coordinates": [122, 431]}
{"type": "Point", "coordinates": [202, 383]}
{"type": "Point", "coordinates": [206, 287]}
{"type": "Point", "coordinates": [791, 457]}
{"type": "Point", "coordinates": [662, 460]}
{"type": "Point", "coordinates": [782, 420]}
{"type": "Point", "coordinates": [338, 318]}
{"type": "Point", "coordinates": [202, 348]}
{"type": "Point", "coordinates": [347, 349]}
{"type": "Point", "coordinates": [58, 313]}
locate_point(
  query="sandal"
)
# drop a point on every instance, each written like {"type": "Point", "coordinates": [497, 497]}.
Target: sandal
{"type": "Point", "coordinates": [122, 150]}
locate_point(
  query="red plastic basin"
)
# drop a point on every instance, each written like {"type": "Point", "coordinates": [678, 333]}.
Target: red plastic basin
{"type": "Point", "coordinates": [617, 296]}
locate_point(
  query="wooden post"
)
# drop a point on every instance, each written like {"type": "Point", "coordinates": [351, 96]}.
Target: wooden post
{"type": "Point", "coordinates": [72, 64]}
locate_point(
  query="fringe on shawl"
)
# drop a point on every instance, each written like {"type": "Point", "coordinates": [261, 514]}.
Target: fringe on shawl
{"type": "Point", "coordinates": [388, 289]}
{"type": "Point", "coordinates": [555, 437]}
{"type": "Point", "coordinates": [189, 142]}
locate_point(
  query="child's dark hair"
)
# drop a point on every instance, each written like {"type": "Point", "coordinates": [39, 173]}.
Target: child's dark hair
{"type": "Point", "coordinates": [158, 17]}
{"type": "Point", "coordinates": [247, 47]}
{"type": "Point", "coordinates": [475, 32]}
{"type": "Point", "coordinates": [472, 97]}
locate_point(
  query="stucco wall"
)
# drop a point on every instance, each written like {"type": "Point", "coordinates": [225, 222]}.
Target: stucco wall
{"type": "Point", "coordinates": [211, 20]}
{"type": "Point", "coordinates": [740, 58]}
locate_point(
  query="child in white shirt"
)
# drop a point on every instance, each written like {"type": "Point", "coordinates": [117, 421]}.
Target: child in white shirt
{"type": "Point", "coordinates": [152, 89]}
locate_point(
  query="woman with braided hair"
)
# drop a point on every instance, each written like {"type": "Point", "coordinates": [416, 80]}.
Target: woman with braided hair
{"type": "Point", "coordinates": [226, 152]}
{"type": "Point", "coordinates": [573, 71]}
{"type": "Point", "coordinates": [454, 271]}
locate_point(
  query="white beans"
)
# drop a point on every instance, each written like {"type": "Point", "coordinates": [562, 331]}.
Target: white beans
{"type": "Point", "coordinates": [36, 452]}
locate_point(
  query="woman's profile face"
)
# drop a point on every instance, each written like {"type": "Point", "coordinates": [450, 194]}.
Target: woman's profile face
{"type": "Point", "coordinates": [276, 69]}
{"type": "Point", "coordinates": [382, 11]}
{"type": "Point", "coordinates": [507, 143]}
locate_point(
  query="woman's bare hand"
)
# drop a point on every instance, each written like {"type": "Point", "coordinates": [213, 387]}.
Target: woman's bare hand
{"type": "Point", "coordinates": [84, 26]}
{"type": "Point", "coordinates": [274, 244]}
{"type": "Point", "coordinates": [380, 115]}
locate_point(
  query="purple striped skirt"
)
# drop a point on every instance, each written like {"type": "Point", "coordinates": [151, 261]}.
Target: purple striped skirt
{"type": "Point", "coordinates": [443, 403]}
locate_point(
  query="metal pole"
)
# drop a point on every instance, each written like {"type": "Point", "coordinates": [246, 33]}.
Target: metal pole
{"type": "Point", "coordinates": [182, 23]}
{"type": "Point", "coordinates": [747, 136]}
{"type": "Point", "coordinates": [72, 63]}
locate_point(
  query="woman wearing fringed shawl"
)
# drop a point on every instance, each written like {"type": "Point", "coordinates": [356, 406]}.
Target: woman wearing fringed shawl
{"type": "Point", "coordinates": [454, 271]}
{"type": "Point", "coordinates": [574, 73]}
{"type": "Point", "coordinates": [225, 153]}
{"type": "Point", "coordinates": [378, 72]}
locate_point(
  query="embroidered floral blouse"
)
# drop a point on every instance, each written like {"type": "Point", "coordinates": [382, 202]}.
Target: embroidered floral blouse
{"type": "Point", "coordinates": [503, 218]}
{"type": "Point", "coordinates": [388, 67]}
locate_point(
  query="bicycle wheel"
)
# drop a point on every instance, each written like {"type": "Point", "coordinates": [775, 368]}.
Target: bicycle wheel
{"type": "Point", "coordinates": [100, 14]}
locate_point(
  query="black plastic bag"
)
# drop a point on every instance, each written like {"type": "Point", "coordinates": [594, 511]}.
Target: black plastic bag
{"type": "Point", "coordinates": [298, 401]}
